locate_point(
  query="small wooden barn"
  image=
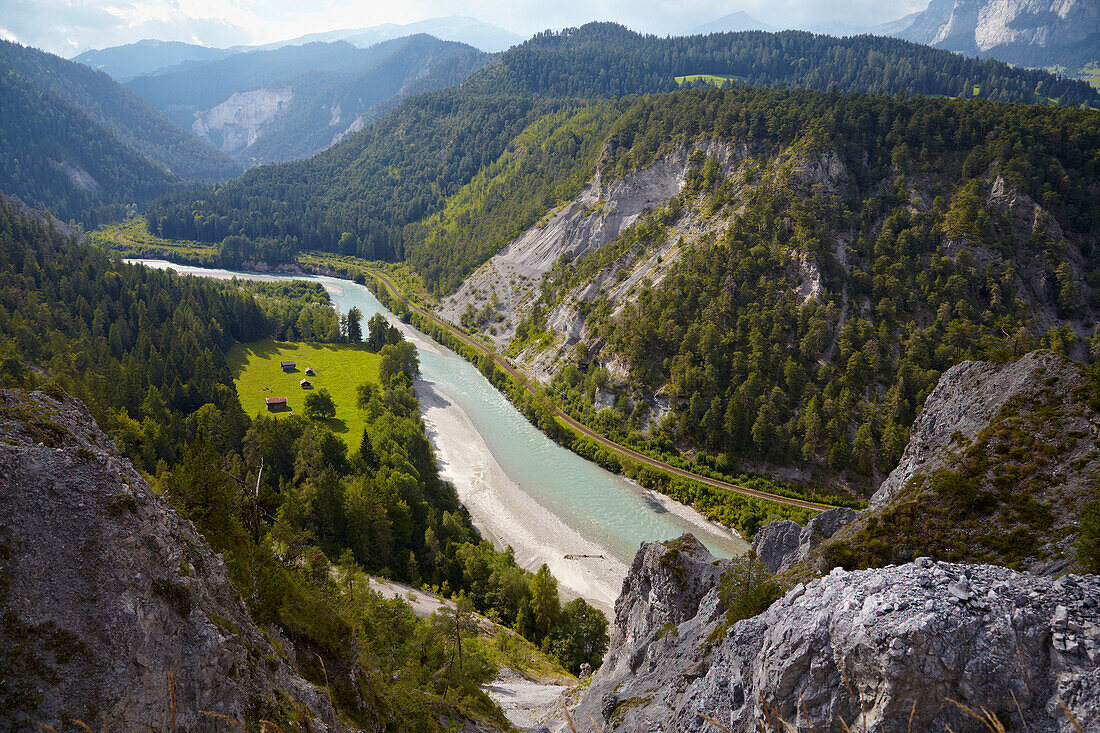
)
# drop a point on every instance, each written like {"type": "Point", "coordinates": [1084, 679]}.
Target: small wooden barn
{"type": "Point", "coordinates": [309, 371]}
{"type": "Point", "coordinates": [289, 366]}
{"type": "Point", "coordinates": [305, 384]}
{"type": "Point", "coordinates": [275, 403]}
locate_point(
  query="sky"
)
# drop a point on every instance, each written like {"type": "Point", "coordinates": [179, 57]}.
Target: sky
{"type": "Point", "coordinates": [68, 27]}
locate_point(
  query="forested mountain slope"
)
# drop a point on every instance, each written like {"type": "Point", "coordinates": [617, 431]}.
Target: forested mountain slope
{"type": "Point", "coordinates": [347, 190]}
{"type": "Point", "coordinates": [605, 59]}
{"type": "Point", "coordinates": [121, 114]}
{"type": "Point", "coordinates": [291, 102]}
{"type": "Point", "coordinates": [780, 277]}
{"type": "Point", "coordinates": [55, 156]}
{"type": "Point", "coordinates": [357, 196]}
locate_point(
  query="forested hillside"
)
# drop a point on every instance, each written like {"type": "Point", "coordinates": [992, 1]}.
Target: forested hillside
{"type": "Point", "coordinates": [826, 258]}
{"type": "Point", "coordinates": [608, 60]}
{"type": "Point", "coordinates": [282, 499]}
{"type": "Point", "coordinates": [357, 197]}
{"type": "Point", "coordinates": [125, 116]}
{"type": "Point", "coordinates": [79, 170]}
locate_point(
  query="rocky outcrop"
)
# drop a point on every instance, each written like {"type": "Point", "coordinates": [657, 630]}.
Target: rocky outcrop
{"type": "Point", "coordinates": [45, 218]}
{"type": "Point", "coordinates": [240, 120]}
{"type": "Point", "coordinates": [104, 591]}
{"type": "Point", "coordinates": [874, 650]}
{"type": "Point", "coordinates": [965, 400]}
{"type": "Point", "coordinates": [781, 544]}
{"type": "Point", "coordinates": [1027, 32]}
{"type": "Point", "coordinates": [602, 211]}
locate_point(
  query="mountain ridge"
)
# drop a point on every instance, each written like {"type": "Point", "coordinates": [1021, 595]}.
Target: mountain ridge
{"type": "Point", "coordinates": [129, 118]}
{"type": "Point", "coordinates": [286, 103]}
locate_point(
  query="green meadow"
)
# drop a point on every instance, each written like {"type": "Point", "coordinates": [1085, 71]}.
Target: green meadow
{"type": "Point", "coordinates": [716, 79]}
{"type": "Point", "coordinates": [339, 368]}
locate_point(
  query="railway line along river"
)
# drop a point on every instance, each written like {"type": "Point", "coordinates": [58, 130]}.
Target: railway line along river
{"type": "Point", "coordinates": [520, 487]}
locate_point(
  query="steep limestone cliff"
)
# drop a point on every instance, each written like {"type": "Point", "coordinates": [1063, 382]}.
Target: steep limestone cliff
{"type": "Point", "coordinates": [1025, 32]}
{"type": "Point", "coordinates": [104, 591]}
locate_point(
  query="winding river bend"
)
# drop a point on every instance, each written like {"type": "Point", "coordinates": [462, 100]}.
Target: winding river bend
{"type": "Point", "coordinates": [520, 487]}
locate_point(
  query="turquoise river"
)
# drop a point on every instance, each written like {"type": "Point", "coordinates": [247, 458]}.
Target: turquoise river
{"type": "Point", "coordinates": [520, 487]}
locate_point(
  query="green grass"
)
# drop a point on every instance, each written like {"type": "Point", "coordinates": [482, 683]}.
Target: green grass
{"type": "Point", "coordinates": [132, 238]}
{"type": "Point", "coordinates": [1090, 72]}
{"type": "Point", "coordinates": [716, 79]}
{"type": "Point", "coordinates": [339, 368]}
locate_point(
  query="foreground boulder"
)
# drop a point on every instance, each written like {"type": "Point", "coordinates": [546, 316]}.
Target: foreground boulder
{"type": "Point", "coordinates": [104, 591]}
{"type": "Point", "coordinates": [868, 650]}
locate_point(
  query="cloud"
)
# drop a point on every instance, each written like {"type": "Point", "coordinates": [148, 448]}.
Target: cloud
{"type": "Point", "coordinates": [7, 35]}
{"type": "Point", "coordinates": [70, 26]}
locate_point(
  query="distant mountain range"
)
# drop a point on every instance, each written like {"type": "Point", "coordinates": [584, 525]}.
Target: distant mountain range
{"type": "Point", "coordinates": [733, 23]}
{"type": "Point", "coordinates": [484, 36]}
{"type": "Point", "coordinates": [1022, 32]}
{"type": "Point", "coordinates": [157, 57]}
{"type": "Point", "coordinates": [73, 140]}
{"type": "Point", "coordinates": [148, 57]}
{"type": "Point", "coordinates": [285, 103]}
{"type": "Point", "coordinates": [1033, 33]}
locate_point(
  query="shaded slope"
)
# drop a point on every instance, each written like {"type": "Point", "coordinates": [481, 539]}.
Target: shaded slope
{"type": "Point", "coordinates": [55, 156]}
{"type": "Point", "coordinates": [127, 117]}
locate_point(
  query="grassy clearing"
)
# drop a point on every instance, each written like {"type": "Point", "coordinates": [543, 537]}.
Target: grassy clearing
{"type": "Point", "coordinates": [1090, 72]}
{"type": "Point", "coordinates": [507, 648]}
{"type": "Point", "coordinates": [131, 238]}
{"type": "Point", "coordinates": [716, 79]}
{"type": "Point", "coordinates": [339, 368]}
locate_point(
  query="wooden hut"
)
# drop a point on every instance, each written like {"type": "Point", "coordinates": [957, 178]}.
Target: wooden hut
{"type": "Point", "coordinates": [289, 366]}
{"type": "Point", "coordinates": [309, 371]}
{"type": "Point", "coordinates": [275, 403]}
{"type": "Point", "coordinates": [305, 384]}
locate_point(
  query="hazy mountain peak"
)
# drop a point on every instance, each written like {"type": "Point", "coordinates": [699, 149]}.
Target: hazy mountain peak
{"type": "Point", "coordinates": [461, 28]}
{"type": "Point", "coordinates": [147, 56]}
{"type": "Point", "coordinates": [732, 23]}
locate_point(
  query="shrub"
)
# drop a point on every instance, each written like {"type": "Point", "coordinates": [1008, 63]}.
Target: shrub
{"type": "Point", "coordinates": [747, 588]}
{"type": "Point", "coordinates": [1088, 540]}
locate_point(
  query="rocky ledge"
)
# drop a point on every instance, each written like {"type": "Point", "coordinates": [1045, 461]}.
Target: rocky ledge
{"type": "Point", "coordinates": [105, 591]}
{"type": "Point", "coordinates": [873, 650]}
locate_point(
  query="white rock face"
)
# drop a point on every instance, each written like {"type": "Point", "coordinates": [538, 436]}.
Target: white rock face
{"type": "Point", "coordinates": [239, 121]}
{"type": "Point", "coordinates": [863, 650]}
{"type": "Point", "coordinates": [971, 26]}
{"type": "Point", "coordinates": [602, 211]}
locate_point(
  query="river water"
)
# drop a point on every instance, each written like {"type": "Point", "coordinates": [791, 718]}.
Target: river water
{"type": "Point", "coordinates": [521, 488]}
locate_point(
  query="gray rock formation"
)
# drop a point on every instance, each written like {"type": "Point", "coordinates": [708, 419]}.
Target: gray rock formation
{"type": "Point", "coordinates": [1026, 32]}
{"type": "Point", "coordinates": [42, 217]}
{"type": "Point", "coordinates": [782, 543]}
{"type": "Point", "coordinates": [104, 590]}
{"type": "Point", "coordinates": [866, 650]}
{"type": "Point", "coordinates": [967, 397]}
